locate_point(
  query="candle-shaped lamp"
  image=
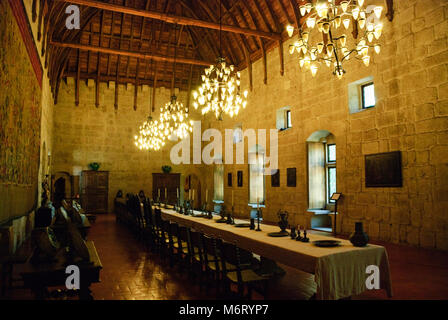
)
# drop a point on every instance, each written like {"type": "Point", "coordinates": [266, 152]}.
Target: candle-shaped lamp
{"type": "Point", "coordinates": [166, 194]}
{"type": "Point", "coordinates": [177, 192]}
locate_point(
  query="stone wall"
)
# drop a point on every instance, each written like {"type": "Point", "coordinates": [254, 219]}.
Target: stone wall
{"type": "Point", "coordinates": [411, 86]}
{"type": "Point", "coordinates": [85, 134]}
{"type": "Point", "coordinates": [46, 133]}
{"type": "Point", "coordinates": [16, 200]}
{"type": "Point", "coordinates": [20, 115]}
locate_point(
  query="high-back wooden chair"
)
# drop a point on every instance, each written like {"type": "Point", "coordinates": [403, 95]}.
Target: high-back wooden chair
{"type": "Point", "coordinates": [212, 260]}
{"type": "Point", "coordinates": [243, 274]}
{"type": "Point", "coordinates": [197, 253]}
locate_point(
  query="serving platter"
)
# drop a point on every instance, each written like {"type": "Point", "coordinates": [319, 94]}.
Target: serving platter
{"type": "Point", "coordinates": [326, 243]}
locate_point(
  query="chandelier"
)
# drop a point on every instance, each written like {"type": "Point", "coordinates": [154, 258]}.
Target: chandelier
{"type": "Point", "coordinates": [220, 91]}
{"type": "Point", "coordinates": [150, 137]}
{"type": "Point", "coordinates": [174, 115]}
{"type": "Point", "coordinates": [333, 49]}
{"type": "Point", "coordinates": [174, 120]}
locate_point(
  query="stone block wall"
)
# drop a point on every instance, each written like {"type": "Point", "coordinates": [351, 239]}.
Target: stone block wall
{"type": "Point", "coordinates": [85, 134]}
{"type": "Point", "coordinates": [411, 87]}
{"type": "Point", "coordinates": [411, 82]}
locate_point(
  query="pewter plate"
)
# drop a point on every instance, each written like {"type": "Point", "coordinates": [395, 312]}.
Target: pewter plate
{"type": "Point", "coordinates": [242, 225]}
{"type": "Point", "coordinates": [278, 234]}
{"type": "Point", "coordinates": [326, 243]}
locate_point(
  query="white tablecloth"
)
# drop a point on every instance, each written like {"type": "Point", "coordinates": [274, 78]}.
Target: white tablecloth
{"type": "Point", "coordinates": [340, 272]}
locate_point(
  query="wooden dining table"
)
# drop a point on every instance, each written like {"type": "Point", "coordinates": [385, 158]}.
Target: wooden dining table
{"type": "Point", "coordinates": [339, 272]}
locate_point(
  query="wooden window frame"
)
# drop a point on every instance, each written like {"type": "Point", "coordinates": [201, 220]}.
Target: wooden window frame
{"type": "Point", "coordinates": [363, 103]}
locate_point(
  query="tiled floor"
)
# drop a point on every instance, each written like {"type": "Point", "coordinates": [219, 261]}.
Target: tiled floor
{"type": "Point", "coordinates": [130, 272]}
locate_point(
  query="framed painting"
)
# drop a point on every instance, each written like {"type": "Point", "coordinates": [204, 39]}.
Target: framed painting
{"type": "Point", "coordinates": [275, 179]}
{"type": "Point", "coordinates": [383, 170]}
{"type": "Point", "coordinates": [291, 177]}
{"type": "Point", "coordinates": [229, 179]}
{"type": "Point", "coordinates": [240, 178]}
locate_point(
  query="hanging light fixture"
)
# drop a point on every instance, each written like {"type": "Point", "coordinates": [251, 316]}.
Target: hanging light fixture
{"type": "Point", "coordinates": [331, 47]}
{"type": "Point", "coordinates": [150, 137]}
{"type": "Point", "coordinates": [220, 91]}
{"type": "Point", "coordinates": [174, 119]}
{"type": "Point", "coordinates": [174, 115]}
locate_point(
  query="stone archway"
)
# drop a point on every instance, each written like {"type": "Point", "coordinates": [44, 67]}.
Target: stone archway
{"type": "Point", "coordinates": [321, 178]}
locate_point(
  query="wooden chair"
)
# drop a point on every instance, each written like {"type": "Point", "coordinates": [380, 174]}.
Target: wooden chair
{"type": "Point", "coordinates": [197, 253]}
{"type": "Point", "coordinates": [183, 246]}
{"type": "Point", "coordinates": [166, 240]}
{"type": "Point", "coordinates": [134, 209]}
{"type": "Point", "coordinates": [212, 260]}
{"type": "Point", "coordinates": [243, 273]}
{"type": "Point", "coordinates": [149, 233]}
{"type": "Point", "coordinates": [160, 234]}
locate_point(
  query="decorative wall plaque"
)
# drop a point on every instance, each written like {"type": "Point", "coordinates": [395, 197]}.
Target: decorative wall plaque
{"type": "Point", "coordinates": [291, 177]}
{"type": "Point", "coordinates": [383, 170]}
{"type": "Point", "coordinates": [229, 179]}
{"type": "Point", "coordinates": [240, 178]}
{"type": "Point", "coordinates": [275, 178]}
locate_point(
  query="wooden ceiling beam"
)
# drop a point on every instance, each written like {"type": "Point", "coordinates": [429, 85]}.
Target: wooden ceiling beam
{"type": "Point", "coordinates": [174, 19]}
{"type": "Point", "coordinates": [33, 10]}
{"type": "Point", "coordinates": [117, 72]}
{"type": "Point", "coordinates": [262, 45]}
{"type": "Point", "coordinates": [228, 47]}
{"type": "Point", "coordinates": [245, 46]}
{"type": "Point", "coordinates": [126, 53]}
{"type": "Point", "coordinates": [78, 75]}
{"type": "Point", "coordinates": [278, 28]}
{"type": "Point", "coordinates": [260, 12]}
{"type": "Point", "coordinates": [60, 56]}
{"type": "Point", "coordinates": [208, 38]}
{"type": "Point", "coordinates": [165, 82]}
{"type": "Point", "coordinates": [284, 11]}
{"type": "Point", "coordinates": [136, 41]}
{"type": "Point", "coordinates": [98, 63]}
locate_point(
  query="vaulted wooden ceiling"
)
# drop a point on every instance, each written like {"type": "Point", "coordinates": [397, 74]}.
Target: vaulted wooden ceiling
{"type": "Point", "coordinates": [136, 41]}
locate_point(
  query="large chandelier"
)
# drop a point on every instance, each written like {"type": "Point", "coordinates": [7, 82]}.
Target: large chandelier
{"type": "Point", "coordinates": [150, 135]}
{"type": "Point", "coordinates": [332, 48]}
{"type": "Point", "coordinates": [174, 115]}
{"type": "Point", "coordinates": [220, 91]}
{"type": "Point", "coordinates": [174, 120]}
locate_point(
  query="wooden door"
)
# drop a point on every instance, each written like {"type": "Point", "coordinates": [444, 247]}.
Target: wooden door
{"type": "Point", "coordinates": [94, 191]}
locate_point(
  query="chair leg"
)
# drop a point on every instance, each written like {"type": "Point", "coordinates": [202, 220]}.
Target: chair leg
{"type": "Point", "coordinates": [241, 290]}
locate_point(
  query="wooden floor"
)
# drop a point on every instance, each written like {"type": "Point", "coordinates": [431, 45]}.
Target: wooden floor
{"type": "Point", "coordinates": [132, 273]}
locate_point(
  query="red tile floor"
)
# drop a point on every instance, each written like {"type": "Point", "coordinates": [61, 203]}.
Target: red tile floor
{"type": "Point", "coordinates": [131, 272]}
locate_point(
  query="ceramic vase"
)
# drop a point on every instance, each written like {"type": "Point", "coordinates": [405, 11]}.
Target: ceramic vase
{"type": "Point", "coordinates": [359, 238]}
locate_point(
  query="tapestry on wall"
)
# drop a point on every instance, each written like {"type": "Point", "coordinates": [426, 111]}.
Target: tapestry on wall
{"type": "Point", "coordinates": [20, 112]}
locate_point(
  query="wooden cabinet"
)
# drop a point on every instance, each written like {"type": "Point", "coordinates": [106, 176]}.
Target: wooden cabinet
{"type": "Point", "coordinates": [170, 181]}
{"type": "Point", "coordinates": [94, 191]}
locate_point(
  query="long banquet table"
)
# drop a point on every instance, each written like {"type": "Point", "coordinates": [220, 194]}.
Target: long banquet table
{"type": "Point", "coordinates": [339, 272]}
